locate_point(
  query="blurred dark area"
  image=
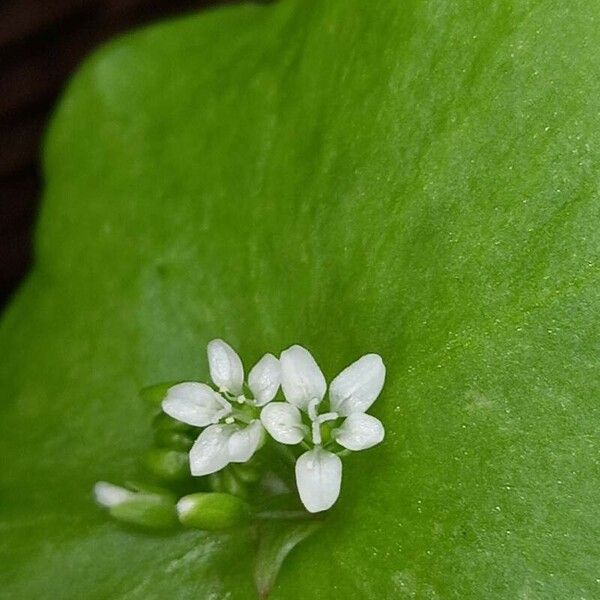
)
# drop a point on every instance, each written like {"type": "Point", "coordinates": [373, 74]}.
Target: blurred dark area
{"type": "Point", "coordinates": [41, 43]}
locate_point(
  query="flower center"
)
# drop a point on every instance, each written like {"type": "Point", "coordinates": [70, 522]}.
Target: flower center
{"type": "Point", "coordinates": [318, 420]}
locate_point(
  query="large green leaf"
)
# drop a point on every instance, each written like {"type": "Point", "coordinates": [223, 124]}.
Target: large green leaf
{"type": "Point", "coordinates": [415, 178]}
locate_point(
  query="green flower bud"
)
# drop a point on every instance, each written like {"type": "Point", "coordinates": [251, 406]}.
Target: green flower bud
{"type": "Point", "coordinates": [177, 440]}
{"type": "Point", "coordinates": [154, 394]}
{"type": "Point", "coordinates": [153, 511]}
{"type": "Point", "coordinates": [149, 488]}
{"type": "Point", "coordinates": [169, 465]}
{"type": "Point", "coordinates": [212, 511]}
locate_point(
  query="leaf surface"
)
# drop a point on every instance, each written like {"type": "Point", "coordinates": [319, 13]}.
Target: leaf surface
{"type": "Point", "coordinates": [417, 179]}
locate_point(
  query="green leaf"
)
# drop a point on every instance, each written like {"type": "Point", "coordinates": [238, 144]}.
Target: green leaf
{"type": "Point", "coordinates": [417, 179]}
{"type": "Point", "coordinates": [276, 541]}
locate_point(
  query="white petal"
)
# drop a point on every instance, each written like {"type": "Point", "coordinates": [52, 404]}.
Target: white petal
{"type": "Point", "coordinates": [283, 422]}
{"type": "Point", "coordinates": [109, 495]}
{"type": "Point", "coordinates": [226, 369]}
{"type": "Point", "coordinates": [209, 453]}
{"type": "Point", "coordinates": [318, 477]}
{"type": "Point", "coordinates": [195, 404]}
{"type": "Point", "coordinates": [301, 378]}
{"type": "Point", "coordinates": [264, 379]}
{"type": "Point", "coordinates": [245, 442]}
{"type": "Point", "coordinates": [357, 386]}
{"type": "Point", "coordinates": [359, 432]}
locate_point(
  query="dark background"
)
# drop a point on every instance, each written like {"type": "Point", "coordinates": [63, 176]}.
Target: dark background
{"type": "Point", "coordinates": [41, 43]}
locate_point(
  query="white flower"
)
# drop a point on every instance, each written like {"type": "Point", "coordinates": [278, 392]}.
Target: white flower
{"type": "Point", "coordinates": [351, 393]}
{"type": "Point", "coordinates": [284, 422]}
{"type": "Point", "coordinates": [227, 373]}
{"type": "Point", "coordinates": [231, 435]}
{"type": "Point", "coordinates": [301, 378]}
{"type": "Point", "coordinates": [225, 366]}
{"type": "Point", "coordinates": [219, 445]}
{"type": "Point", "coordinates": [318, 477]}
{"type": "Point", "coordinates": [195, 404]}
{"type": "Point", "coordinates": [264, 379]}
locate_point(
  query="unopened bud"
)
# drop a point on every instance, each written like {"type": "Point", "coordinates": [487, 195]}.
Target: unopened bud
{"type": "Point", "coordinates": [108, 494]}
{"type": "Point", "coordinates": [169, 465]}
{"type": "Point", "coordinates": [212, 511]}
{"type": "Point", "coordinates": [150, 488]}
{"type": "Point", "coordinates": [154, 511]}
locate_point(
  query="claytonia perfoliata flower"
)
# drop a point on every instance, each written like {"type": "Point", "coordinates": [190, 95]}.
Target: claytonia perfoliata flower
{"type": "Point", "coordinates": [233, 430]}
{"type": "Point", "coordinates": [351, 393]}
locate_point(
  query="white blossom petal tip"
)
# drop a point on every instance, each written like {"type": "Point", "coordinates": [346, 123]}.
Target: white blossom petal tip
{"type": "Point", "coordinates": [319, 478]}
{"type": "Point", "coordinates": [301, 377]}
{"type": "Point", "coordinates": [210, 452]}
{"type": "Point", "coordinates": [195, 404]}
{"type": "Point", "coordinates": [225, 366]}
{"type": "Point", "coordinates": [108, 494]}
{"type": "Point", "coordinates": [264, 379]}
{"type": "Point", "coordinates": [359, 431]}
{"type": "Point", "coordinates": [283, 421]}
{"type": "Point", "coordinates": [244, 442]}
{"type": "Point", "coordinates": [356, 388]}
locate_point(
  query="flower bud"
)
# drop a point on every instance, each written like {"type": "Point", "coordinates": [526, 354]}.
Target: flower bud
{"type": "Point", "coordinates": [150, 488]}
{"type": "Point", "coordinates": [154, 512]}
{"type": "Point", "coordinates": [212, 511]}
{"type": "Point", "coordinates": [149, 510]}
{"type": "Point", "coordinates": [168, 465]}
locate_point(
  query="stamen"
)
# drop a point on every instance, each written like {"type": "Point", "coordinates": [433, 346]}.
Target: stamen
{"type": "Point", "coordinates": [330, 416]}
{"type": "Point", "coordinates": [316, 432]}
{"type": "Point", "coordinates": [312, 408]}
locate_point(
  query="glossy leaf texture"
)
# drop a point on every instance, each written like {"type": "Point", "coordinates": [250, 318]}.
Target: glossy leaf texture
{"type": "Point", "coordinates": [417, 179]}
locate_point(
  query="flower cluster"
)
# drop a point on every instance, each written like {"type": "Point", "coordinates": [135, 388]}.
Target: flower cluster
{"type": "Point", "coordinates": [236, 415]}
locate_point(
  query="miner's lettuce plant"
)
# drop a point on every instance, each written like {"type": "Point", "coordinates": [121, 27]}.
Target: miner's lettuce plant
{"type": "Point", "coordinates": [418, 178]}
